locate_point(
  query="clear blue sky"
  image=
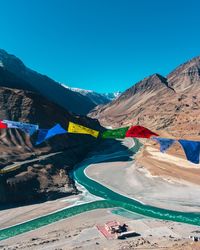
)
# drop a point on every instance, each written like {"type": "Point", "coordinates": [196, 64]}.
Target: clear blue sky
{"type": "Point", "coordinates": [103, 45]}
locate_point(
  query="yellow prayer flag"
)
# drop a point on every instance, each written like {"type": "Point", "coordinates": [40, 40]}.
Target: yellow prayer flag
{"type": "Point", "coordinates": [79, 129]}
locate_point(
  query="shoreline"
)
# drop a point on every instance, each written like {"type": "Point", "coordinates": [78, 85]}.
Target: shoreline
{"type": "Point", "coordinates": [157, 191]}
{"type": "Point", "coordinates": [111, 188]}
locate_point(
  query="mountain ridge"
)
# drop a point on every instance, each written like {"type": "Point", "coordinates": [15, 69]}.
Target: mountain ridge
{"type": "Point", "coordinates": [42, 84]}
{"type": "Point", "coordinates": [185, 75]}
{"type": "Point", "coordinates": [158, 102]}
{"type": "Point", "coordinates": [95, 97]}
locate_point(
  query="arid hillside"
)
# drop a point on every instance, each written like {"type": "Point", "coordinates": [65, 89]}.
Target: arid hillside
{"type": "Point", "coordinates": [170, 104]}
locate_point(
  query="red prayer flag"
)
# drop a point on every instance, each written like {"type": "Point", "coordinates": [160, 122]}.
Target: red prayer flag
{"type": "Point", "coordinates": [3, 125]}
{"type": "Point", "coordinates": [140, 132]}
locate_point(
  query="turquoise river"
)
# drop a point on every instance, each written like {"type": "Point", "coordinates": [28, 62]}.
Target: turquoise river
{"type": "Point", "coordinates": [109, 199]}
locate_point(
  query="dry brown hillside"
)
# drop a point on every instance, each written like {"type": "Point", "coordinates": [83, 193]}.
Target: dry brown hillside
{"type": "Point", "coordinates": [167, 105]}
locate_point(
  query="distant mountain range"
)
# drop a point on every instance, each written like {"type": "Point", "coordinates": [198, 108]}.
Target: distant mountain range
{"type": "Point", "coordinates": [27, 79]}
{"type": "Point", "coordinates": [170, 103]}
{"type": "Point", "coordinates": [96, 98]}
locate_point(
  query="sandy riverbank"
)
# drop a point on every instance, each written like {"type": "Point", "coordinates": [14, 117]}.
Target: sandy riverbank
{"type": "Point", "coordinates": [170, 190]}
{"type": "Point", "coordinates": [172, 165]}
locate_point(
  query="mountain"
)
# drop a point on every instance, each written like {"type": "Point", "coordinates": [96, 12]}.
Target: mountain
{"type": "Point", "coordinates": [37, 178]}
{"type": "Point", "coordinates": [170, 104]}
{"type": "Point", "coordinates": [50, 89]}
{"type": "Point", "coordinates": [96, 98]}
{"type": "Point", "coordinates": [112, 96]}
{"type": "Point", "coordinates": [186, 76]}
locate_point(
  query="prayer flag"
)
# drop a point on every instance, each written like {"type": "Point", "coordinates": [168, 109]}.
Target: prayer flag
{"type": "Point", "coordinates": [3, 125]}
{"type": "Point", "coordinates": [79, 129]}
{"type": "Point", "coordinates": [26, 127]}
{"type": "Point", "coordinates": [45, 134]}
{"type": "Point", "coordinates": [140, 132]}
{"type": "Point", "coordinates": [119, 133]}
{"type": "Point", "coordinates": [191, 149]}
{"type": "Point", "coordinates": [41, 136]}
{"type": "Point", "coordinates": [165, 143]}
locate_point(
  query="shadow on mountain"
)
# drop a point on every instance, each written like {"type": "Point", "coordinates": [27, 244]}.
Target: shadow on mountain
{"type": "Point", "coordinates": [111, 150]}
{"type": "Point", "coordinates": [105, 151]}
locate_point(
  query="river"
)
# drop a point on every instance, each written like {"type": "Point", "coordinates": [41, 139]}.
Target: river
{"type": "Point", "coordinates": [109, 199]}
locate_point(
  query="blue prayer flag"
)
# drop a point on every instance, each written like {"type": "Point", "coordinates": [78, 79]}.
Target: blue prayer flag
{"type": "Point", "coordinates": [165, 143]}
{"type": "Point", "coordinates": [26, 127]}
{"type": "Point", "coordinates": [41, 136]}
{"type": "Point", "coordinates": [45, 134]}
{"type": "Point", "coordinates": [191, 149]}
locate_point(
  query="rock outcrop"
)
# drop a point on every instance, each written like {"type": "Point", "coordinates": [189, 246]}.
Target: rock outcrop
{"type": "Point", "coordinates": [186, 77]}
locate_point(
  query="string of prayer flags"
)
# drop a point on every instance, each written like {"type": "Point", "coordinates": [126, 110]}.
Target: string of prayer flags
{"type": "Point", "coordinates": [191, 148]}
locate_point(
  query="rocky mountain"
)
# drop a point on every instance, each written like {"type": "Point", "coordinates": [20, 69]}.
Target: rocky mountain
{"type": "Point", "coordinates": [186, 76]}
{"type": "Point", "coordinates": [170, 104]}
{"type": "Point", "coordinates": [45, 86]}
{"type": "Point", "coordinates": [42, 170]}
{"type": "Point", "coordinates": [96, 98]}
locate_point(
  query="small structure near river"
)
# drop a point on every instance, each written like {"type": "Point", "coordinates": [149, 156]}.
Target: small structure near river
{"type": "Point", "coordinates": [114, 230]}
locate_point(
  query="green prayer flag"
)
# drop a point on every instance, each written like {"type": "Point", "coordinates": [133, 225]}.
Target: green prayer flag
{"type": "Point", "coordinates": [118, 133]}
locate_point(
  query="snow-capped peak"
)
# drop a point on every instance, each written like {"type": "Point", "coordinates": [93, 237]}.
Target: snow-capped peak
{"type": "Point", "coordinates": [112, 96]}
{"type": "Point", "coordinates": [95, 97]}
{"type": "Point", "coordinates": [81, 91]}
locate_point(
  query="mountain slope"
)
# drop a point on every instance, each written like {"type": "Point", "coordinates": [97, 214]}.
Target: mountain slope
{"type": "Point", "coordinates": [8, 79]}
{"type": "Point", "coordinates": [185, 76]}
{"type": "Point", "coordinates": [46, 178]}
{"type": "Point", "coordinates": [171, 104]}
{"type": "Point", "coordinates": [74, 102]}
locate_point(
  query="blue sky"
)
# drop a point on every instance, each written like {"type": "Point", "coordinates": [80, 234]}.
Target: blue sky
{"type": "Point", "coordinates": [103, 45]}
